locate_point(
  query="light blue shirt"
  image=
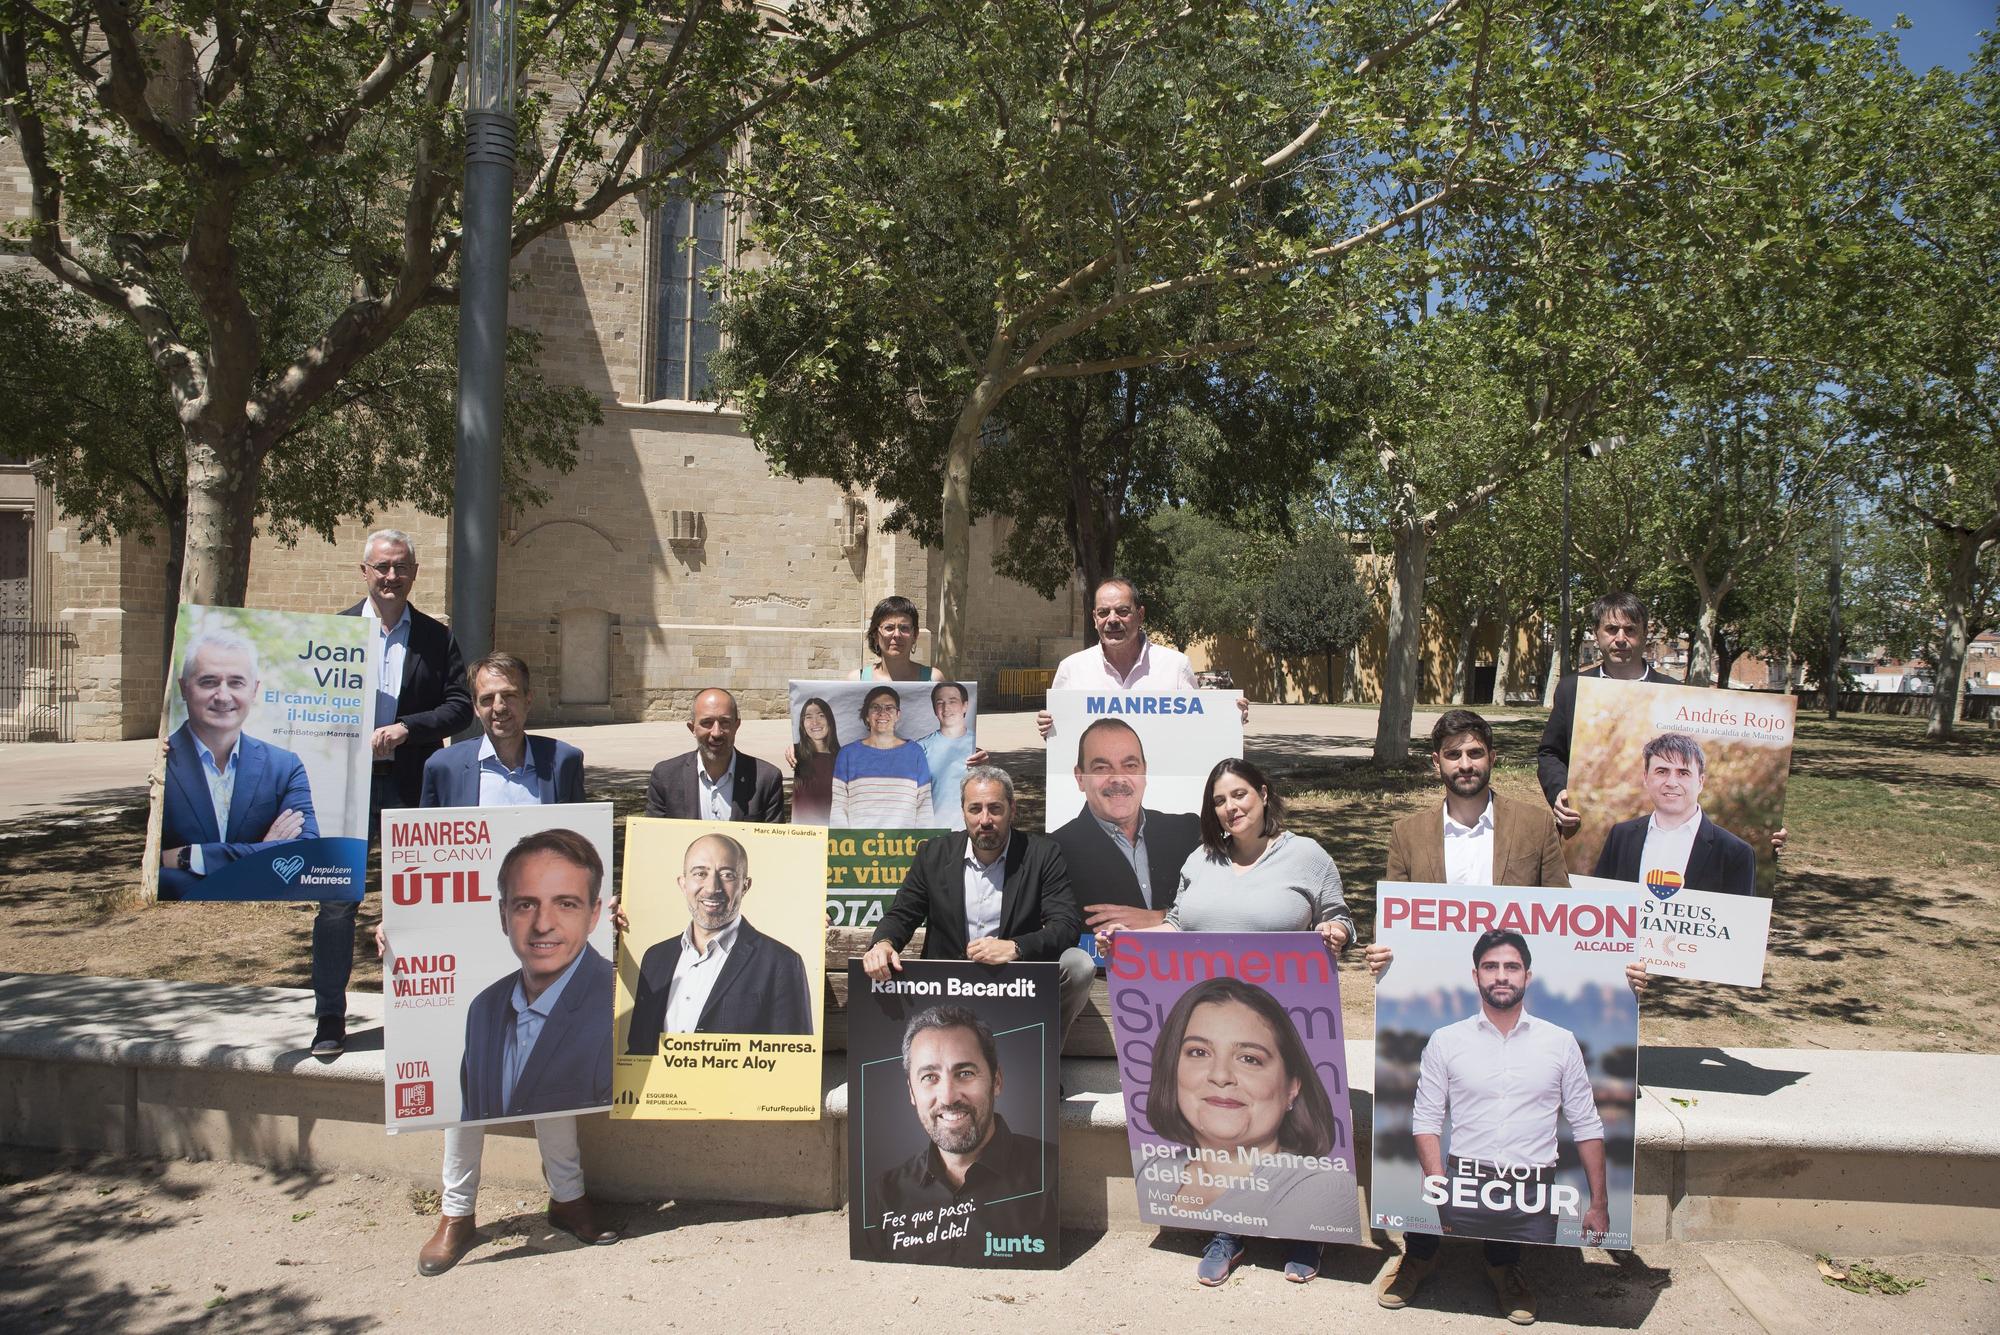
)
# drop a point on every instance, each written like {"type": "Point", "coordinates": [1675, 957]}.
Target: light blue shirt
{"type": "Point", "coordinates": [946, 757]}
{"type": "Point", "coordinates": [527, 1027]}
{"type": "Point", "coordinates": [221, 792]}
{"type": "Point", "coordinates": [715, 794]}
{"type": "Point", "coordinates": [503, 787]}
{"type": "Point", "coordinates": [391, 643]}
{"type": "Point", "coordinates": [1134, 852]}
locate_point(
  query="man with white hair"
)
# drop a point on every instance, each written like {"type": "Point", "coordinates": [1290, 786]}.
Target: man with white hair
{"type": "Point", "coordinates": [227, 795]}
{"type": "Point", "coordinates": [421, 701]}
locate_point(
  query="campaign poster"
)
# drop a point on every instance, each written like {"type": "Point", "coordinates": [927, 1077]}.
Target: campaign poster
{"type": "Point", "coordinates": [1234, 1064]}
{"type": "Point", "coordinates": [1112, 755]}
{"type": "Point", "coordinates": [1506, 1059]}
{"type": "Point", "coordinates": [266, 793]}
{"type": "Point", "coordinates": [1702, 771]}
{"type": "Point", "coordinates": [488, 911]}
{"type": "Point", "coordinates": [721, 971]}
{"type": "Point", "coordinates": [865, 869]}
{"type": "Point", "coordinates": [1697, 934]}
{"type": "Point", "coordinates": [881, 755]}
{"type": "Point", "coordinates": [951, 1128]}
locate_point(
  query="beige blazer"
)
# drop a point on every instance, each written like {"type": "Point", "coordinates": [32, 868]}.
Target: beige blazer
{"type": "Point", "coordinates": [1526, 848]}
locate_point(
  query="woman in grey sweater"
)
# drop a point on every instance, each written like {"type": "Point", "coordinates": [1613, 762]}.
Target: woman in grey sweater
{"type": "Point", "coordinates": [1253, 875]}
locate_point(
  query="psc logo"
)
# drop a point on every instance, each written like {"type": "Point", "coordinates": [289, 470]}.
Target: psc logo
{"type": "Point", "coordinates": [415, 1098]}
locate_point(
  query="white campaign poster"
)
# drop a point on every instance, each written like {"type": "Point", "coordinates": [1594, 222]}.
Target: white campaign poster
{"type": "Point", "coordinates": [1700, 934]}
{"type": "Point", "coordinates": [486, 908]}
{"type": "Point", "coordinates": [1104, 744]}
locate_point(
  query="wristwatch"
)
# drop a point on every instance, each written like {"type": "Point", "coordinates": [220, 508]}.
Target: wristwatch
{"type": "Point", "coordinates": [186, 858]}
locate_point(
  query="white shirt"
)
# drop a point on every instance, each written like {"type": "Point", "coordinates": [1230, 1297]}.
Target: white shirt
{"type": "Point", "coordinates": [694, 978]}
{"type": "Point", "coordinates": [1502, 1090]}
{"type": "Point", "coordinates": [1158, 669]}
{"type": "Point", "coordinates": [982, 893]}
{"type": "Point", "coordinates": [391, 643]}
{"type": "Point", "coordinates": [1668, 850]}
{"type": "Point", "coordinates": [221, 792]}
{"type": "Point", "coordinates": [715, 794]}
{"type": "Point", "coordinates": [1468, 849]}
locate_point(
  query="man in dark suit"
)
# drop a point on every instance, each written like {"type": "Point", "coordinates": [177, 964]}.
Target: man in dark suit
{"type": "Point", "coordinates": [721, 975]}
{"type": "Point", "coordinates": [715, 781]}
{"type": "Point", "coordinates": [1618, 623]}
{"type": "Point", "coordinates": [504, 766]}
{"type": "Point", "coordinates": [1124, 859]}
{"type": "Point", "coordinates": [1675, 844]}
{"type": "Point", "coordinates": [420, 700]}
{"type": "Point", "coordinates": [988, 893]}
{"type": "Point", "coordinates": [228, 796]}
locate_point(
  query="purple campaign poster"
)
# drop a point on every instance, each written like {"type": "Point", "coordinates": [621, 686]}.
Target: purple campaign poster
{"type": "Point", "coordinates": [1235, 1072]}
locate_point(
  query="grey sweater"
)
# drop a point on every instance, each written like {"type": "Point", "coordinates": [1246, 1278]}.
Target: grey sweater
{"type": "Point", "coordinates": [1293, 887]}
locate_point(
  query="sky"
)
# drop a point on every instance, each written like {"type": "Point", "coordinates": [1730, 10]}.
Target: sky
{"type": "Point", "coordinates": [1941, 32]}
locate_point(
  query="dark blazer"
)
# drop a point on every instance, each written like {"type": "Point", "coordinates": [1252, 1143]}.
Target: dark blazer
{"type": "Point", "coordinates": [570, 1066]}
{"type": "Point", "coordinates": [451, 776]}
{"type": "Point", "coordinates": [1718, 861]}
{"type": "Point", "coordinates": [1037, 912]}
{"type": "Point", "coordinates": [269, 779]}
{"type": "Point", "coordinates": [762, 990]}
{"type": "Point", "coordinates": [1099, 873]}
{"type": "Point", "coordinates": [1552, 756]}
{"type": "Point", "coordinates": [434, 704]}
{"type": "Point", "coordinates": [757, 795]}
{"type": "Point", "coordinates": [1527, 850]}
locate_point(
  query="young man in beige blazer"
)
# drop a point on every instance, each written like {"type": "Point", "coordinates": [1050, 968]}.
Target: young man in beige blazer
{"type": "Point", "coordinates": [1480, 838]}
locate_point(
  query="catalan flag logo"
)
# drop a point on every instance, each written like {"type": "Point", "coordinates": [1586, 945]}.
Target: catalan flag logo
{"type": "Point", "coordinates": [1664, 884]}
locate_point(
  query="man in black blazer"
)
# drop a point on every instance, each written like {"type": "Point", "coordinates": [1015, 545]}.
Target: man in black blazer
{"type": "Point", "coordinates": [988, 893]}
{"type": "Point", "coordinates": [1676, 843]}
{"type": "Point", "coordinates": [1116, 835]}
{"type": "Point", "coordinates": [1618, 622]}
{"type": "Point", "coordinates": [715, 781]}
{"type": "Point", "coordinates": [721, 975]}
{"type": "Point", "coordinates": [421, 700]}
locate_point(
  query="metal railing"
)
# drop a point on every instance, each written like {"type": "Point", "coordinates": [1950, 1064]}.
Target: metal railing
{"type": "Point", "coordinates": [37, 682]}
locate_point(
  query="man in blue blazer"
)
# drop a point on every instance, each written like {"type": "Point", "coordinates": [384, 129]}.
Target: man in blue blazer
{"type": "Point", "coordinates": [1676, 844]}
{"type": "Point", "coordinates": [721, 975]}
{"type": "Point", "coordinates": [568, 1063]}
{"type": "Point", "coordinates": [228, 796]}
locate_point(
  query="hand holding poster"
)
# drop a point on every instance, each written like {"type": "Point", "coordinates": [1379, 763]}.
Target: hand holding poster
{"type": "Point", "coordinates": [1506, 1057]}
{"type": "Point", "coordinates": [1698, 934]}
{"type": "Point", "coordinates": [490, 912]}
{"type": "Point", "coordinates": [1150, 752]}
{"type": "Point", "coordinates": [719, 1015]}
{"type": "Point", "coordinates": [1679, 785]}
{"type": "Point", "coordinates": [1235, 1075]}
{"type": "Point", "coordinates": [266, 793]}
{"type": "Point", "coordinates": [952, 1077]}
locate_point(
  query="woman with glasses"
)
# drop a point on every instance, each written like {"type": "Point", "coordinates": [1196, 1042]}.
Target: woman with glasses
{"type": "Point", "coordinates": [881, 781]}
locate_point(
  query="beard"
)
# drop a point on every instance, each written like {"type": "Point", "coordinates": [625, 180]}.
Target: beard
{"type": "Point", "coordinates": [1486, 994]}
{"type": "Point", "coordinates": [961, 1139]}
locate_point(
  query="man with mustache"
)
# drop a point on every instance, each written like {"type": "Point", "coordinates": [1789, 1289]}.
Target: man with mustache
{"type": "Point", "coordinates": [228, 795]}
{"type": "Point", "coordinates": [1502, 1076]}
{"type": "Point", "coordinates": [952, 1067]}
{"type": "Point", "coordinates": [1124, 659]}
{"type": "Point", "coordinates": [721, 975]}
{"type": "Point", "coordinates": [1124, 858]}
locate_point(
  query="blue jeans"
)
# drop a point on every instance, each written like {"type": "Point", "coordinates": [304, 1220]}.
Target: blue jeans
{"type": "Point", "coordinates": [333, 926]}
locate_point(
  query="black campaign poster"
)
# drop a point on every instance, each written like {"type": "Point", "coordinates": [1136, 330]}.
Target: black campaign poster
{"type": "Point", "coordinates": [952, 1088]}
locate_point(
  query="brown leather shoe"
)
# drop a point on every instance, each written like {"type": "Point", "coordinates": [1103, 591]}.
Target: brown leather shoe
{"type": "Point", "coordinates": [1517, 1300]}
{"type": "Point", "coordinates": [1400, 1279]}
{"type": "Point", "coordinates": [456, 1235]}
{"type": "Point", "coordinates": [578, 1220]}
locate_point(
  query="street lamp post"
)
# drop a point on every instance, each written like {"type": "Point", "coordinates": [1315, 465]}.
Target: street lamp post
{"type": "Point", "coordinates": [482, 321]}
{"type": "Point", "coordinates": [1592, 449]}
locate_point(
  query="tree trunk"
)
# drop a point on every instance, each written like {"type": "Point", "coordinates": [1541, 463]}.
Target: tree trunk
{"type": "Point", "coordinates": [1503, 658]}
{"type": "Point", "coordinates": [1957, 633]}
{"type": "Point", "coordinates": [1701, 645]}
{"type": "Point", "coordinates": [948, 652]}
{"type": "Point", "coordinates": [1468, 659]}
{"type": "Point", "coordinates": [1404, 661]}
{"type": "Point", "coordinates": [1094, 534]}
{"type": "Point", "coordinates": [223, 473]}
{"type": "Point", "coordinates": [1350, 678]}
{"type": "Point", "coordinates": [176, 566]}
{"type": "Point", "coordinates": [1553, 673]}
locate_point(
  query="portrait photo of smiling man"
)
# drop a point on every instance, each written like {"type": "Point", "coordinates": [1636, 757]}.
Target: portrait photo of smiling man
{"type": "Point", "coordinates": [1675, 844]}
{"type": "Point", "coordinates": [228, 795]}
{"type": "Point", "coordinates": [720, 975]}
{"type": "Point", "coordinates": [1124, 858]}
{"type": "Point", "coordinates": [536, 1040]}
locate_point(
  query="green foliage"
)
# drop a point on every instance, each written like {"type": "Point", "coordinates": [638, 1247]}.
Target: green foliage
{"type": "Point", "coordinates": [1314, 604]}
{"type": "Point", "coordinates": [1199, 577]}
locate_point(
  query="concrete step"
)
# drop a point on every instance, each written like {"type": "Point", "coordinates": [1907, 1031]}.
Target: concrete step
{"type": "Point", "coordinates": [1859, 1152]}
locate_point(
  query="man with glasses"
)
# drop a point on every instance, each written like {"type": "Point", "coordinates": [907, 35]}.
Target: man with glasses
{"type": "Point", "coordinates": [1123, 659]}
{"type": "Point", "coordinates": [421, 700]}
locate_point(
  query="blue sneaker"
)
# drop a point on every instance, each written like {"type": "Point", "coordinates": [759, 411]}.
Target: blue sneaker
{"type": "Point", "coordinates": [1302, 1262]}
{"type": "Point", "coordinates": [1224, 1251]}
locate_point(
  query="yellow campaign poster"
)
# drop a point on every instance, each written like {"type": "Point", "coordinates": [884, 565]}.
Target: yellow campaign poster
{"type": "Point", "coordinates": [721, 971]}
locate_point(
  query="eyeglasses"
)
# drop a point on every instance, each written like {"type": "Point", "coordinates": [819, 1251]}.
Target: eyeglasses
{"type": "Point", "coordinates": [386, 568]}
{"type": "Point", "coordinates": [884, 707]}
{"type": "Point", "coordinates": [1105, 613]}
